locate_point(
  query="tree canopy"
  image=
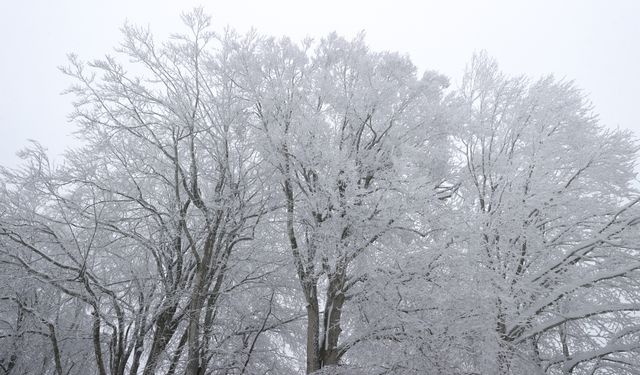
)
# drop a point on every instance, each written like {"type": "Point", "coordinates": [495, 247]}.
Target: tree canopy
{"type": "Point", "coordinates": [243, 204]}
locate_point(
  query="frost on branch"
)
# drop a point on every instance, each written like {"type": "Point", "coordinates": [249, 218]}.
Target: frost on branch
{"type": "Point", "coordinates": [249, 205]}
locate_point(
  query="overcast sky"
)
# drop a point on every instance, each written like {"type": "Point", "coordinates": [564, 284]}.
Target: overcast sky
{"type": "Point", "coordinates": [595, 43]}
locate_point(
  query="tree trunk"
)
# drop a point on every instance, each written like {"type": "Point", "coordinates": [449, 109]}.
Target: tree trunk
{"type": "Point", "coordinates": [313, 329]}
{"type": "Point", "coordinates": [329, 354]}
{"type": "Point", "coordinates": [197, 301]}
{"type": "Point", "coordinates": [164, 330]}
{"type": "Point", "coordinates": [56, 349]}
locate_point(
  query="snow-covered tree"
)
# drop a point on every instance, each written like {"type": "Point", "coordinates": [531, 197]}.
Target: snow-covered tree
{"type": "Point", "coordinates": [355, 138]}
{"type": "Point", "coordinates": [248, 205]}
{"type": "Point", "coordinates": [149, 225]}
{"type": "Point", "coordinates": [548, 228]}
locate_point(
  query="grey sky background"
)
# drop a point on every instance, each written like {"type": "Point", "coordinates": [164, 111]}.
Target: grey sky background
{"type": "Point", "coordinates": [595, 43]}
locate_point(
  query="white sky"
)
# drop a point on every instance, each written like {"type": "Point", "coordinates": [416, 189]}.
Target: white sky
{"type": "Point", "coordinates": [596, 43]}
